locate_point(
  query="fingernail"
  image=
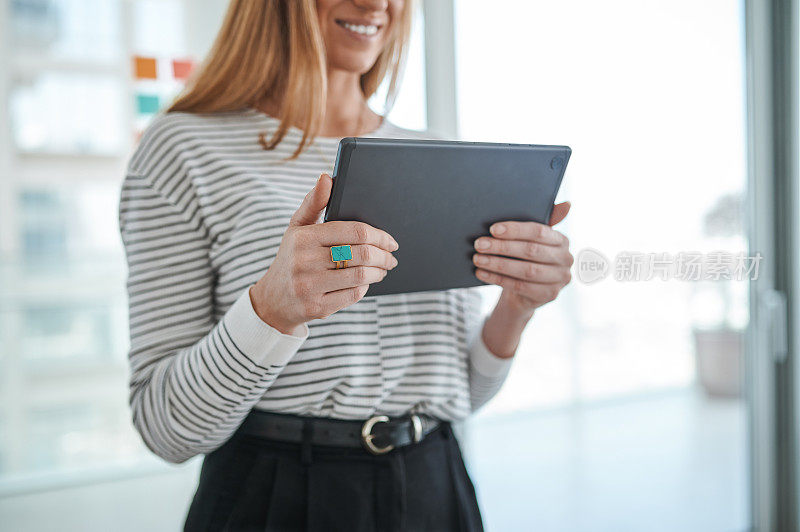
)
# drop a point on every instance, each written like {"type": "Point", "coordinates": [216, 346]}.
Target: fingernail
{"type": "Point", "coordinates": [498, 229]}
{"type": "Point", "coordinates": [481, 274]}
{"type": "Point", "coordinates": [394, 263]}
{"type": "Point", "coordinates": [481, 259]}
{"type": "Point", "coordinates": [396, 245]}
{"type": "Point", "coordinates": [481, 243]}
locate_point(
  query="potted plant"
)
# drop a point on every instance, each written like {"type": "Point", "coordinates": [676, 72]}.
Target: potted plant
{"type": "Point", "coordinates": [721, 306]}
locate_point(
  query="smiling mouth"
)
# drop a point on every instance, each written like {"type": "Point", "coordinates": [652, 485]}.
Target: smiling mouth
{"type": "Point", "coordinates": [366, 30]}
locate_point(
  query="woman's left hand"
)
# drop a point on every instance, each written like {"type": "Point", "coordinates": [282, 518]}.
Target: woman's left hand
{"type": "Point", "coordinates": [531, 261]}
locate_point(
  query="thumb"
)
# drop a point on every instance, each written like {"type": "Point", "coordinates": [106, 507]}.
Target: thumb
{"type": "Point", "coordinates": [314, 202]}
{"type": "Point", "coordinates": [559, 212]}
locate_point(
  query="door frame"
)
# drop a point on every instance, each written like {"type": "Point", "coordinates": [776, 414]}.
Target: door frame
{"type": "Point", "coordinates": [771, 47]}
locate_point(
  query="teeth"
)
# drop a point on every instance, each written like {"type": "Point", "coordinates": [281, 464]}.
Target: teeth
{"type": "Point", "coordinates": [361, 30]}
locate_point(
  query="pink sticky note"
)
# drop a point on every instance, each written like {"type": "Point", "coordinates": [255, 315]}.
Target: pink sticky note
{"type": "Point", "coordinates": [182, 68]}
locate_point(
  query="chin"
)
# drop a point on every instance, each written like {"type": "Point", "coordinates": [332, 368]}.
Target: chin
{"type": "Point", "coordinates": [355, 64]}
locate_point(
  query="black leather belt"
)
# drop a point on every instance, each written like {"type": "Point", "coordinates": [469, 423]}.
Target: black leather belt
{"type": "Point", "coordinates": [378, 434]}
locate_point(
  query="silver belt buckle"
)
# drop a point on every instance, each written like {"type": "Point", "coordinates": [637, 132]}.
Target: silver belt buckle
{"type": "Point", "coordinates": [367, 436]}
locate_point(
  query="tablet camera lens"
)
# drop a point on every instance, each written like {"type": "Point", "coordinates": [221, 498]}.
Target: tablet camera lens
{"type": "Point", "coordinates": [556, 163]}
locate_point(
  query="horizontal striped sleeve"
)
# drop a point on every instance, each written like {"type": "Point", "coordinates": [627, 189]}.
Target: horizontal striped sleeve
{"type": "Point", "coordinates": [193, 377]}
{"type": "Point", "coordinates": [487, 372]}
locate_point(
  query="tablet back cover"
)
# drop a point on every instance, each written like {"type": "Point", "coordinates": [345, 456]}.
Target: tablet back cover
{"type": "Point", "coordinates": [436, 197]}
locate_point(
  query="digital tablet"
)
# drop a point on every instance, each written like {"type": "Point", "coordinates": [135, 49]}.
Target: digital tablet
{"type": "Point", "coordinates": [436, 197]}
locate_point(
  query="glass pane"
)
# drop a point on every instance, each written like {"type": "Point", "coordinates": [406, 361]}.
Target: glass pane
{"type": "Point", "coordinates": [63, 323]}
{"type": "Point", "coordinates": [67, 112]}
{"type": "Point", "coordinates": [83, 30]}
{"type": "Point", "coordinates": [62, 333]}
{"type": "Point", "coordinates": [639, 370]}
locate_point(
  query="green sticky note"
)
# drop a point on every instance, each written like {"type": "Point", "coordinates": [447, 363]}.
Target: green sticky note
{"type": "Point", "coordinates": [147, 104]}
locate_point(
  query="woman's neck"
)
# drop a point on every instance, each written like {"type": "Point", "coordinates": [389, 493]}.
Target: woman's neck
{"type": "Point", "coordinates": [346, 110]}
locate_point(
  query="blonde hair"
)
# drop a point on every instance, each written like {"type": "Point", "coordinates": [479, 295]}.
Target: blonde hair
{"type": "Point", "coordinates": [273, 49]}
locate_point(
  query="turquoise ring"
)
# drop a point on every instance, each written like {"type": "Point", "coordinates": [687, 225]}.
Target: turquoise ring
{"type": "Point", "coordinates": [340, 255]}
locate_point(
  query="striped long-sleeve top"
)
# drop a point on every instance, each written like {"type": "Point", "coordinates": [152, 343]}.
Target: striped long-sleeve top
{"type": "Point", "coordinates": [202, 212]}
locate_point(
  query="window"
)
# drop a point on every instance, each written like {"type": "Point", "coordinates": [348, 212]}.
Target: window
{"type": "Point", "coordinates": [74, 119]}
{"type": "Point", "coordinates": [650, 97]}
{"type": "Point", "coordinates": [63, 323]}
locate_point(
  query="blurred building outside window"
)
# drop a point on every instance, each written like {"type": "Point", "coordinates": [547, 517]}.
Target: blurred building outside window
{"type": "Point", "coordinates": [84, 78]}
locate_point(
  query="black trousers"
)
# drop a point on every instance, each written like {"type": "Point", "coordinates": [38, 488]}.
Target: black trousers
{"type": "Point", "coordinates": [255, 484]}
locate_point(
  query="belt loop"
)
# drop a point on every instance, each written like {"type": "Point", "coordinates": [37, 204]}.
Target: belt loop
{"type": "Point", "coordinates": [305, 447]}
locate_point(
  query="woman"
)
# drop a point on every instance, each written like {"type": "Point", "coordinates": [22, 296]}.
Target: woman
{"type": "Point", "coordinates": [316, 407]}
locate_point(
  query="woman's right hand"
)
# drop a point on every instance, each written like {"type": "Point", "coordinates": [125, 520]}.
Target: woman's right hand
{"type": "Point", "coordinates": [302, 283]}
